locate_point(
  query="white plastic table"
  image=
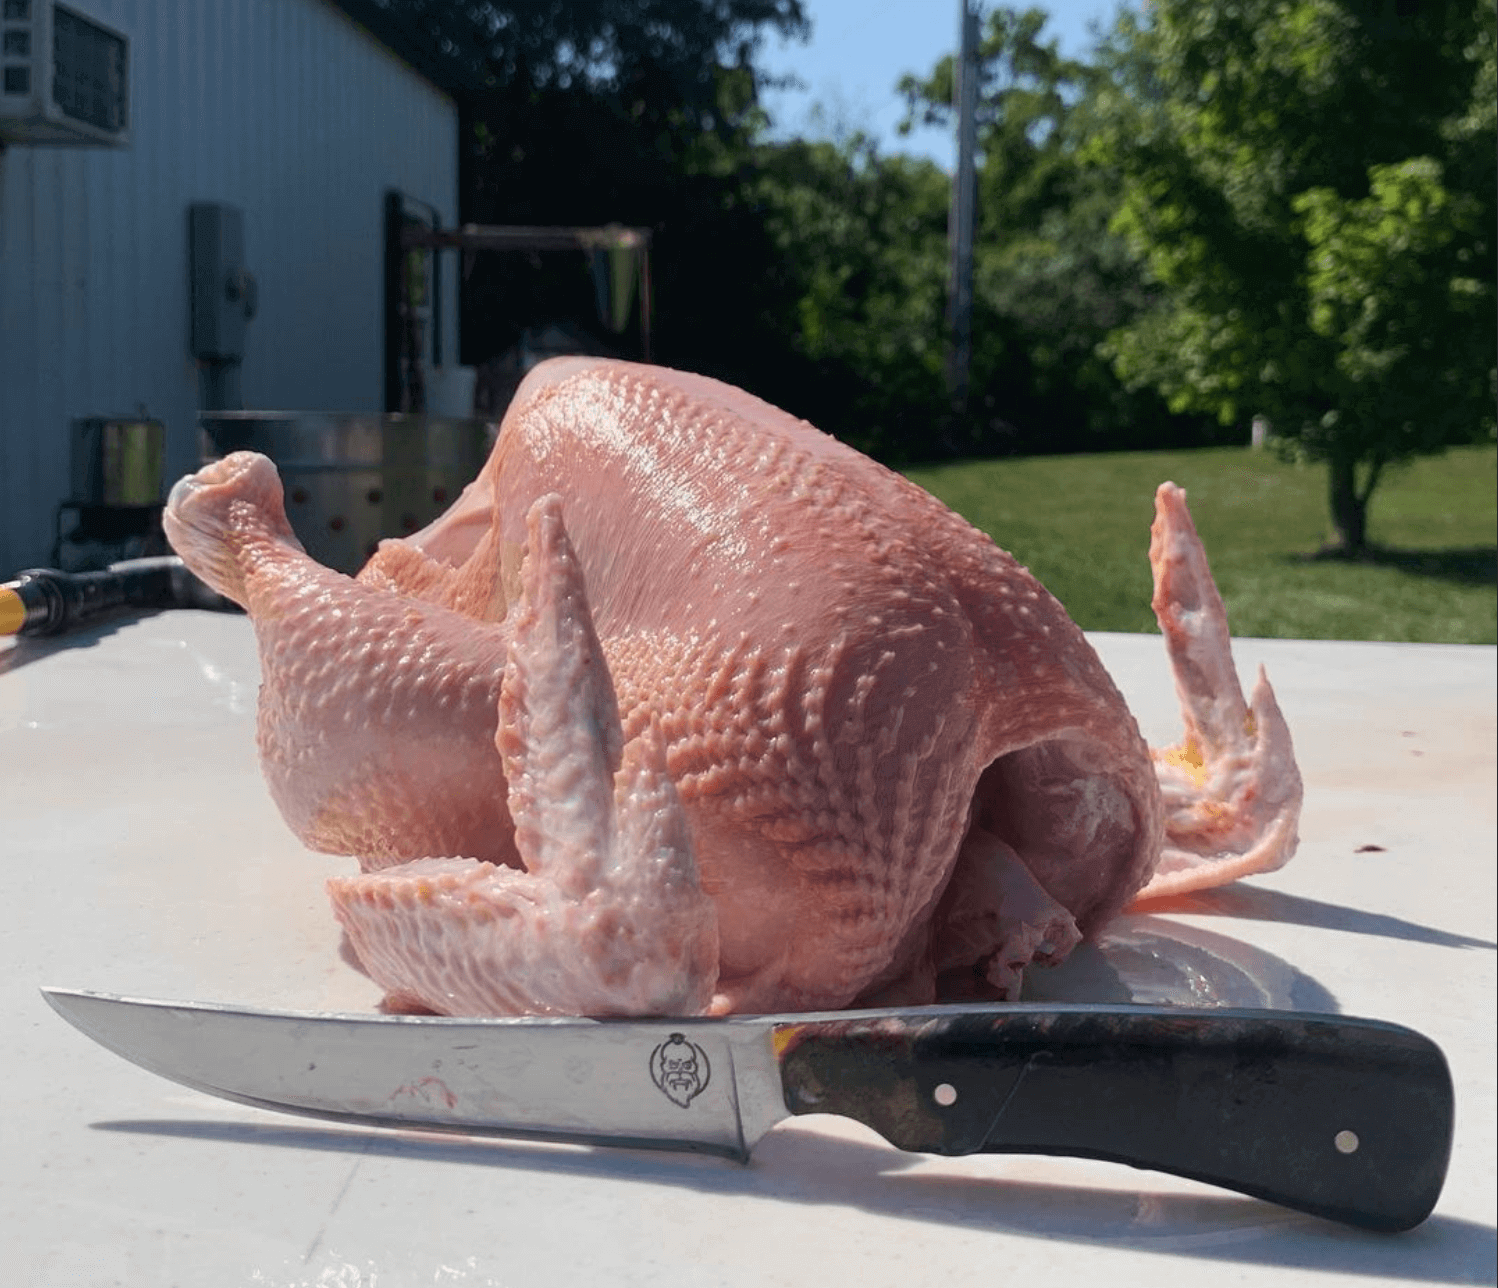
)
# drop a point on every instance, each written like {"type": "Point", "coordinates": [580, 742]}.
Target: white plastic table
{"type": "Point", "coordinates": [142, 855]}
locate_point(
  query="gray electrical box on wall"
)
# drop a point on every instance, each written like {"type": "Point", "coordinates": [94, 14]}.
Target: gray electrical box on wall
{"type": "Point", "coordinates": [224, 299]}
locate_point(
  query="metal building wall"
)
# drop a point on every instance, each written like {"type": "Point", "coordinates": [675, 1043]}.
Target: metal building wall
{"type": "Point", "coordinates": [283, 108]}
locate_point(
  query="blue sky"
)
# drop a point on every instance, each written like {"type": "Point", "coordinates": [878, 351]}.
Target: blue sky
{"type": "Point", "coordinates": [859, 49]}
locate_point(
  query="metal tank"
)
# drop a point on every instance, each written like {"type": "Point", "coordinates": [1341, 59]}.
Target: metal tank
{"type": "Point", "coordinates": [354, 478]}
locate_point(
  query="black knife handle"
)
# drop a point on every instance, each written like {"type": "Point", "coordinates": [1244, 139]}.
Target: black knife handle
{"type": "Point", "coordinates": [1345, 1118]}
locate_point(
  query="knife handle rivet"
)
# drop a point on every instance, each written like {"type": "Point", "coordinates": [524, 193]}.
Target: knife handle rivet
{"type": "Point", "coordinates": [945, 1094]}
{"type": "Point", "coordinates": [1346, 1141]}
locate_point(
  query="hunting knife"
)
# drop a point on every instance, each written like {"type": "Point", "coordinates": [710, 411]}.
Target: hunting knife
{"type": "Point", "coordinates": [1349, 1119]}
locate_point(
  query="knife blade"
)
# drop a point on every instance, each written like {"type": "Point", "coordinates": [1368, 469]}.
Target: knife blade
{"type": "Point", "coordinates": [1348, 1119]}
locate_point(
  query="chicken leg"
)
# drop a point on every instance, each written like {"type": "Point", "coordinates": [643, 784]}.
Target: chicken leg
{"type": "Point", "coordinates": [1231, 787]}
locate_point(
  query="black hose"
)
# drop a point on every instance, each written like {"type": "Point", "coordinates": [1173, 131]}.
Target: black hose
{"type": "Point", "coordinates": [44, 601]}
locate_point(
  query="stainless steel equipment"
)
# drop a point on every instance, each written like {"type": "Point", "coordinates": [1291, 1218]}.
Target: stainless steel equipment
{"type": "Point", "coordinates": [353, 478]}
{"type": "Point", "coordinates": [114, 510]}
{"type": "Point", "coordinates": [118, 461]}
{"type": "Point", "coordinates": [225, 296]}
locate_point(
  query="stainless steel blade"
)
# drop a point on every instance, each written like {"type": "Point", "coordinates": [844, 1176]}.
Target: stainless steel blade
{"type": "Point", "coordinates": [709, 1086]}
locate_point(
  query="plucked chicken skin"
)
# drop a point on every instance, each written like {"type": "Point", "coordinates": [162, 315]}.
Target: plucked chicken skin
{"type": "Point", "coordinates": [687, 708]}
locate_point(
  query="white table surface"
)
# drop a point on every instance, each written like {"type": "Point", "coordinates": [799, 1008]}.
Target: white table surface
{"type": "Point", "coordinates": [142, 855]}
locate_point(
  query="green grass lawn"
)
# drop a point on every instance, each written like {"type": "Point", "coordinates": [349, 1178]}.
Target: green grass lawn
{"type": "Point", "coordinates": [1081, 524]}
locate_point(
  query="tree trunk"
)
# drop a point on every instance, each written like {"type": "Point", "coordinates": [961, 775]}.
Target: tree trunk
{"type": "Point", "coordinates": [1349, 503]}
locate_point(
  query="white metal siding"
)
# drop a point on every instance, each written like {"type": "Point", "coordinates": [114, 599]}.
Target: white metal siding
{"type": "Point", "coordinates": [283, 108]}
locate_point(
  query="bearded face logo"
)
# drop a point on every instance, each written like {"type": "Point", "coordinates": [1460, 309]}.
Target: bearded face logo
{"type": "Point", "coordinates": [680, 1069]}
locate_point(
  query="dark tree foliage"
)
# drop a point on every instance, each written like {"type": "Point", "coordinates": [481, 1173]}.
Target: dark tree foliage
{"type": "Point", "coordinates": [563, 157]}
{"type": "Point", "coordinates": [603, 45]}
{"type": "Point", "coordinates": [635, 112]}
{"type": "Point", "coordinates": [812, 274]}
{"type": "Point", "coordinates": [1051, 279]}
{"type": "Point", "coordinates": [855, 292]}
{"type": "Point", "coordinates": [473, 46]}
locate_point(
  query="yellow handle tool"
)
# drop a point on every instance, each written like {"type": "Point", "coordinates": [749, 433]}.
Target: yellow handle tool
{"type": "Point", "coordinates": [12, 611]}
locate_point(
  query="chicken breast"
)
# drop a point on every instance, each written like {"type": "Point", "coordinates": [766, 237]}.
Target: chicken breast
{"type": "Point", "coordinates": [685, 707]}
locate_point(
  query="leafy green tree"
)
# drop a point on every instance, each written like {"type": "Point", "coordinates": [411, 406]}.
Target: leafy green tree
{"type": "Point", "coordinates": [1311, 184]}
{"type": "Point", "coordinates": [1052, 280]}
{"type": "Point", "coordinates": [855, 284]}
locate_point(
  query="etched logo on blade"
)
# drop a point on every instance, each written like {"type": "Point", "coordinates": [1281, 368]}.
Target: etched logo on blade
{"type": "Point", "coordinates": [680, 1069]}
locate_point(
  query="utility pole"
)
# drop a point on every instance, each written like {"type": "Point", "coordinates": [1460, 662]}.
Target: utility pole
{"type": "Point", "coordinates": [960, 219]}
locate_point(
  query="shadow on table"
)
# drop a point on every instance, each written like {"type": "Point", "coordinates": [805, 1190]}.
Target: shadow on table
{"type": "Point", "coordinates": [33, 648]}
{"type": "Point", "coordinates": [799, 1164]}
{"type": "Point", "coordinates": [1253, 903]}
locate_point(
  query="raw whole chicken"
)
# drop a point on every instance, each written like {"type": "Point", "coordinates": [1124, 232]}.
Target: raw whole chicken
{"type": "Point", "coordinates": [687, 708]}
